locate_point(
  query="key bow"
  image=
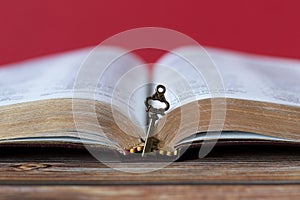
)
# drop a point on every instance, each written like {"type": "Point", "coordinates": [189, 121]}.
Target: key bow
{"type": "Point", "coordinates": [159, 95]}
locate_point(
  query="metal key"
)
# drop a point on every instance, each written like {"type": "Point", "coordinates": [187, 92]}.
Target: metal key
{"type": "Point", "coordinates": [153, 115]}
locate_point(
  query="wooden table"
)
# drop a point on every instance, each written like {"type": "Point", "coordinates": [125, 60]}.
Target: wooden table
{"type": "Point", "coordinates": [227, 172]}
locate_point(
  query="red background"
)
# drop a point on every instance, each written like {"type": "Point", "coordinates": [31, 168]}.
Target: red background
{"type": "Point", "coordinates": [33, 28]}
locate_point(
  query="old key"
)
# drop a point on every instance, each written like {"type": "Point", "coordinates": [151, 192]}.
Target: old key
{"type": "Point", "coordinates": [153, 115]}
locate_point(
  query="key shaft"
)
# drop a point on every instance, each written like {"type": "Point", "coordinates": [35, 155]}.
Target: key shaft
{"type": "Point", "coordinates": [150, 141]}
{"type": "Point", "coordinates": [150, 131]}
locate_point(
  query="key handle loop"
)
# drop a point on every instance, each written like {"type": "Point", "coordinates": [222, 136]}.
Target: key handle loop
{"type": "Point", "coordinates": [159, 95]}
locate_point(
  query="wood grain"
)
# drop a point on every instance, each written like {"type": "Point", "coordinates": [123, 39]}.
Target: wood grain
{"type": "Point", "coordinates": [237, 165]}
{"type": "Point", "coordinates": [152, 192]}
{"type": "Point", "coordinates": [183, 173]}
{"type": "Point", "coordinates": [236, 172]}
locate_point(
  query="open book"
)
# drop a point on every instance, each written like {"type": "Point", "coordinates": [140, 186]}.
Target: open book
{"type": "Point", "coordinates": [69, 99]}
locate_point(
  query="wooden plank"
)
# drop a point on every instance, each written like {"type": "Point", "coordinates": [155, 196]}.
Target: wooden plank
{"type": "Point", "coordinates": [183, 173]}
{"type": "Point", "coordinates": [152, 192]}
{"type": "Point", "coordinates": [224, 166]}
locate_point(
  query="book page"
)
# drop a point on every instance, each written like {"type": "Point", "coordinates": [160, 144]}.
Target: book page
{"type": "Point", "coordinates": [244, 76]}
{"type": "Point", "coordinates": [41, 78]}
{"type": "Point", "coordinates": [189, 74]}
{"type": "Point", "coordinates": [116, 77]}
{"type": "Point", "coordinates": [230, 136]}
{"type": "Point", "coordinates": [62, 76]}
{"type": "Point", "coordinates": [259, 78]}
